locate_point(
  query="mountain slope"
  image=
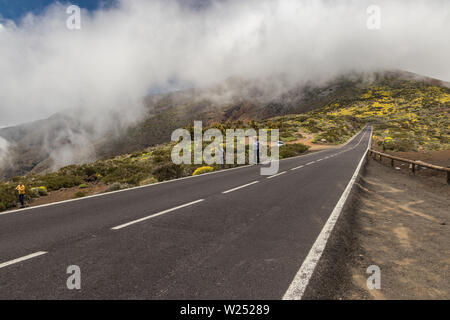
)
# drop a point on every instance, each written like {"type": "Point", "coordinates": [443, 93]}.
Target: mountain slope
{"type": "Point", "coordinates": [63, 139]}
{"type": "Point", "coordinates": [407, 115]}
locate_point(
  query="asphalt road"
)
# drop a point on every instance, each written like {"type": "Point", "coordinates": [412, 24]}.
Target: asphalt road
{"type": "Point", "coordinates": [247, 243]}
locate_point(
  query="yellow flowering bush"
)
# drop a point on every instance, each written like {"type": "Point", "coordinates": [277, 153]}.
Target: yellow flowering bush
{"type": "Point", "coordinates": [39, 191]}
{"type": "Point", "coordinates": [203, 169]}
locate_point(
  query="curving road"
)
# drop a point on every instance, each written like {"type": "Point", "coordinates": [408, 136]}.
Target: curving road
{"type": "Point", "coordinates": [232, 234]}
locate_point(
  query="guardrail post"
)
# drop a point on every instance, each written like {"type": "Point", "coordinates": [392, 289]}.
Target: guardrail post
{"type": "Point", "coordinates": [412, 166]}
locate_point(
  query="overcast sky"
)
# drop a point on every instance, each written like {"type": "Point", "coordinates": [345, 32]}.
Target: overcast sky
{"type": "Point", "coordinates": [127, 48]}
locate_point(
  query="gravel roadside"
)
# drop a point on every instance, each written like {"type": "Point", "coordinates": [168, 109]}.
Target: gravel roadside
{"type": "Point", "coordinates": [398, 222]}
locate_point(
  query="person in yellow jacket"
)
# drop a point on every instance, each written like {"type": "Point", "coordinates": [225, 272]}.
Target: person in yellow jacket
{"type": "Point", "coordinates": [21, 190]}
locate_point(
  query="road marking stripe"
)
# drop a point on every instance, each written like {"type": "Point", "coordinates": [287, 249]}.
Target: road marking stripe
{"type": "Point", "coordinates": [8, 263]}
{"type": "Point", "coordinates": [138, 187]}
{"type": "Point", "coordinates": [297, 167]}
{"type": "Point", "coordinates": [237, 188]}
{"type": "Point", "coordinates": [319, 160]}
{"type": "Point", "coordinates": [300, 282]}
{"type": "Point", "coordinates": [156, 214]}
{"type": "Point", "coordinates": [276, 175]}
{"type": "Point", "coordinates": [310, 163]}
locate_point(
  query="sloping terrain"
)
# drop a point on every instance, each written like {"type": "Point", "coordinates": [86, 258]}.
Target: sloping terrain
{"type": "Point", "coordinates": [408, 114]}
{"type": "Point", "coordinates": [398, 222]}
{"type": "Point", "coordinates": [64, 139]}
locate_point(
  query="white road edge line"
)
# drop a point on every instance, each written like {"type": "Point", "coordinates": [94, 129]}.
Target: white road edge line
{"type": "Point", "coordinates": [298, 167]}
{"type": "Point", "coordinates": [132, 188]}
{"type": "Point", "coordinates": [156, 214]}
{"type": "Point", "coordinates": [237, 188]}
{"type": "Point", "coordinates": [300, 282]}
{"type": "Point", "coordinates": [276, 175]}
{"type": "Point", "coordinates": [8, 263]}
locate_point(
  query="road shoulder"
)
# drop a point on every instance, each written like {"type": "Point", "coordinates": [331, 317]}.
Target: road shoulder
{"type": "Point", "coordinates": [393, 220]}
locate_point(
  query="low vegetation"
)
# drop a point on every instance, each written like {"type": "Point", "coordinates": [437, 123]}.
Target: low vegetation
{"type": "Point", "coordinates": [80, 194]}
{"type": "Point", "coordinates": [147, 166]}
{"type": "Point", "coordinates": [410, 117]}
{"type": "Point", "coordinates": [407, 116]}
{"type": "Point", "coordinates": [39, 191]}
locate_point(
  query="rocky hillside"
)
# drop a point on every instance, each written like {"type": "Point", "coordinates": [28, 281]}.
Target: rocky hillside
{"type": "Point", "coordinates": [61, 140]}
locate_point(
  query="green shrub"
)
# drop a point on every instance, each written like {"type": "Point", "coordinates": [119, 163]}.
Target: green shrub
{"type": "Point", "coordinates": [332, 135]}
{"type": "Point", "coordinates": [136, 179]}
{"type": "Point", "coordinates": [83, 186]}
{"type": "Point", "coordinates": [8, 196]}
{"type": "Point", "coordinates": [147, 181]}
{"type": "Point", "coordinates": [89, 171]}
{"type": "Point", "coordinates": [80, 194]}
{"type": "Point", "coordinates": [127, 172]}
{"type": "Point", "coordinates": [302, 118]}
{"type": "Point", "coordinates": [292, 150]}
{"type": "Point", "coordinates": [161, 155]}
{"type": "Point", "coordinates": [288, 139]}
{"type": "Point", "coordinates": [56, 181]}
{"type": "Point", "coordinates": [114, 187]}
{"type": "Point", "coordinates": [168, 171]}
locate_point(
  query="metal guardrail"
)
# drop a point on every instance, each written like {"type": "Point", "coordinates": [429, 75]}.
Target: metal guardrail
{"type": "Point", "coordinates": [412, 163]}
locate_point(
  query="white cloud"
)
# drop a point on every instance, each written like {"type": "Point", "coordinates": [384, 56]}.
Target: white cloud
{"type": "Point", "coordinates": [4, 145]}
{"type": "Point", "coordinates": [122, 52]}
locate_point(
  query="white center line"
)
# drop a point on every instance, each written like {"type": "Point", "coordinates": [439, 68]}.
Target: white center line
{"type": "Point", "coordinates": [319, 160]}
{"type": "Point", "coordinates": [156, 214]}
{"type": "Point", "coordinates": [237, 188]}
{"type": "Point", "coordinates": [8, 263]}
{"type": "Point", "coordinates": [297, 167]}
{"type": "Point", "coordinates": [276, 175]}
{"type": "Point", "coordinates": [310, 163]}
